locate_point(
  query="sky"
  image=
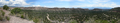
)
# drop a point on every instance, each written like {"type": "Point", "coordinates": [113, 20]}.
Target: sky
{"type": "Point", "coordinates": [62, 3]}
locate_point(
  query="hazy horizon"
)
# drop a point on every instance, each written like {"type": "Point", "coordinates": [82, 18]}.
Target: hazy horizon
{"type": "Point", "coordinates": [61, 3]}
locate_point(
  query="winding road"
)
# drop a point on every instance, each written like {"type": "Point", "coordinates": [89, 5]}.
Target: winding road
{"type": "Point", "coordinates": [49, 18]}
{"type": "Point", "coordinates": [52, 20]}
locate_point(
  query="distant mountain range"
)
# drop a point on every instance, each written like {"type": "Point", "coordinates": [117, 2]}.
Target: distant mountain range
{"type": "Point", "coordinates": [90, 8]}
{"type": "Point", "coordinates": [9, 6]}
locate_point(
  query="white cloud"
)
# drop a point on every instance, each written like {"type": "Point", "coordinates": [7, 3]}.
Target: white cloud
{"type": "Point", "coordinates": [13, 3]}
{"type": "Point", "coordinates": [48, 2]}
{"type": "Point", "coordinates": [112, 5]}
{"type": "Point", "coordinates": [35, 6]}
{"type": "Point", "coordinates": [81, 0]}
{"type": "Point", "coordinates": [97, 1]}
{"type": "Point", "coordinates": [107, 5]}
{"type": "Point", "coordinates": [64, 0]}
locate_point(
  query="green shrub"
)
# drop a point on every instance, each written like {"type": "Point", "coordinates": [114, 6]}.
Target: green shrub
{"type": "Point", "coordinates": [5, 7]}
{"type": "Point", "coordinates": [16, 10]}
{"type": "Point", "coordinates": [8, 18]}
{"type": "Point", "coordinates": [96, 21]}
{"type": "Point", "coordinates": [22, 17]}
{"type": "Point", "coordinates": [1, 18]}
{"type": "Point", "coordinates": [3, 13]}
{"type": "Point", "coordinates": [35, 20]}
{"type": "Point", "coordinates": [73, 21]}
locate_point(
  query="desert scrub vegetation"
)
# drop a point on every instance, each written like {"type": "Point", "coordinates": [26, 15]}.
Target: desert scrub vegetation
{"type": "Point", "coordinates": [8, 18]}
{"type": "Point", "coordinates": [79, 16]}
{"type": "Point", "coordinates": [36, 20]}
{"type": "Point", "coordinates": [16, 11]}
{"type": "Point", "coordinates": [3, 13]}
{"type": "Point", "coordinates": [54, 15]}
{"type": "Point", "coordinates": [2, 17]}
{"type": "Point", "coordinates": [5, 7]}
{"type": "Point", "coordinates": [72, 21]}
{"type": "Point", "coordinates": [92, 20]}
{"type": "Point", "coordinates": [22, 16]}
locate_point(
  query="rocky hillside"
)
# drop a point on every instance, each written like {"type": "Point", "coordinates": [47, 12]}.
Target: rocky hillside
{"type": "Point", "coordinates": [3, 18]}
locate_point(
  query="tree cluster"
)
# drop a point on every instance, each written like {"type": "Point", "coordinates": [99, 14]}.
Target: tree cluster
{"type": "Point", "coordinates": [16, 10]}
{"type": "Point", "coordinates": [5, 7]}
